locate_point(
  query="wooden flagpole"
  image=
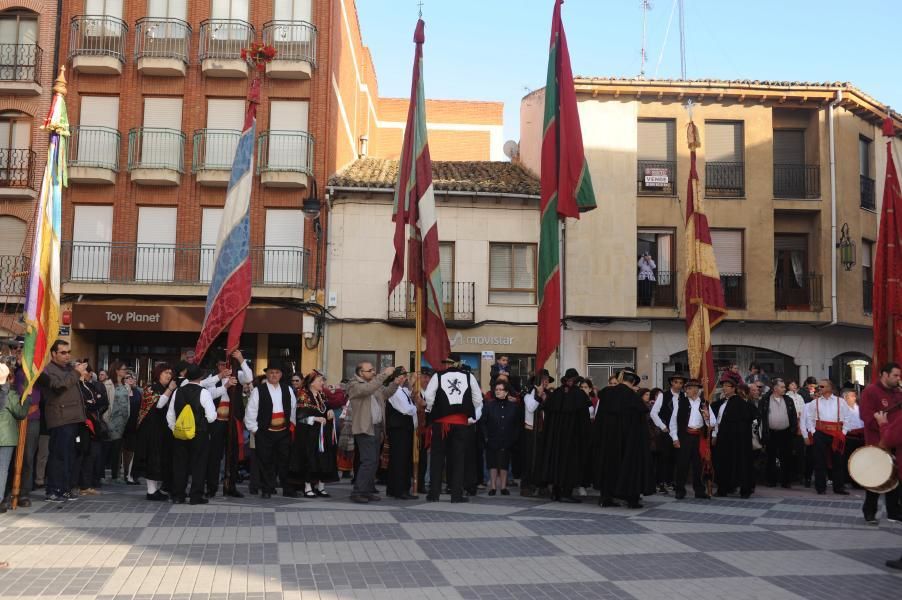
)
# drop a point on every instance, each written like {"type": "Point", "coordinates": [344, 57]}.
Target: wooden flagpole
{"type": "Point", "coordinates": [418, 357]}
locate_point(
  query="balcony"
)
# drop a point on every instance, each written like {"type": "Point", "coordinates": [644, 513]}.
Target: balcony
{"type": "Point", "coordinates": [733, 285]}
{"type": "Point", "coordinates": [867, 296]}
{"type": "Point", "coordinates": [214, 151]}
{"type": "Point", "coordinates": [162, 46]}
{"type": "Point", "coordinates": [17, 173]}
{"type": "Point", "coordinates": [660, 293]}
{"type": "Point", "coordinates": [799, 293]}
{"type": "Point", "coordinates": [285, 158]}
{"type": "Point", "coordinates": [867, 193]}
{"type": "Point", "coordinates": [156, 156]}
{"type": "Point", "coordinates": [13, 271]}
{"type": "Point", "coordinates": [221, 41]}
{"type": "Point", "coordinates": [20, 69]}
{"type": "Point", "coordinates": [458, 302]}
{"type": "Point", "coordinates": [295, 44]}
{"type": "Point", "coordinates": [797, 181]}
{"type": "Point", "coordinates": [161, 264]}
{"type": "Point", "coordinates": [97, 44]}
{"type": "Point", "coordinates": [725, 179]}
{"type": "Point", "coordinates": [94, 155]}
{"type": "Point", "coordinates": [656, 178]}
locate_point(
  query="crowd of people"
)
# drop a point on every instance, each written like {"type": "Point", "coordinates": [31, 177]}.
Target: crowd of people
{"type": "Point", "coordinates": [291, 432]}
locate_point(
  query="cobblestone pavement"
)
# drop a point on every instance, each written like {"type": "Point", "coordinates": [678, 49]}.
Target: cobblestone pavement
{"type": "Point", "coordinates": [774, 546]}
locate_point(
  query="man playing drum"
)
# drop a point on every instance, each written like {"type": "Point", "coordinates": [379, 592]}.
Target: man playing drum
{"type": "Point", "coordinates": [882, 396]}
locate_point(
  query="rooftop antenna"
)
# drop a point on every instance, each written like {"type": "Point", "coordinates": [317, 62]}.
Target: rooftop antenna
{"type": "Point", "coordinates": [682, 42]}
{"type": "Point", "coordinates": [646, 6]}
{"type": "Point", "coordinates": [420, 7]}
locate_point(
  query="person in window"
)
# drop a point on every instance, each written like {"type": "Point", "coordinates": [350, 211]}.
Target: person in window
{"type": "Point", "coordinates": [647, 268]}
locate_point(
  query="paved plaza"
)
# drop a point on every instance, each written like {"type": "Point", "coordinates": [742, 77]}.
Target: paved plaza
{"type": "Point", "coordinates": [775, 546]}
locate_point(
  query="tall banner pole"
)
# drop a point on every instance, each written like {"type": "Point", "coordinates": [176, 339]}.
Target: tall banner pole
{"type": "Point", "coordinates": [418, 358]}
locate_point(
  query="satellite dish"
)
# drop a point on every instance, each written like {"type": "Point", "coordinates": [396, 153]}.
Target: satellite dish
{"type": "Point", "coordinates": [511, 149]}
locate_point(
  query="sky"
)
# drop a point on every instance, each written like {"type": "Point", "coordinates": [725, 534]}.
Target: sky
{"type": "Point", "coordinates": [498, 49]}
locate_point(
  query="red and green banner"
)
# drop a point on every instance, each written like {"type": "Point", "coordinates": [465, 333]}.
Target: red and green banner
{"type": "Point", "coordinates": [565, 183]}
{"type": "Point", "coordinates": [705, 306]}
{"type": "Point", "coordinates": [414, 205]}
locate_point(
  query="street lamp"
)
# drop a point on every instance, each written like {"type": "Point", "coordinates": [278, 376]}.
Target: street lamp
{"type": "Point", "coordinates": [846, 248]}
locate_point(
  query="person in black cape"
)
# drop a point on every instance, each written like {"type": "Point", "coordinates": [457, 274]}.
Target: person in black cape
{"type": "Point", "coordinates": [531, 445]}
{"type": "Point", "coordinates": [567, 430]}
{"type": "Point", "coordinates": [153, 440]}
{"type": "Point", "coordinates": [625, 468]}
{"type": "Point", "coordinates": [732, 451]}
{"type": "Point", "coordinates": [313, 448]}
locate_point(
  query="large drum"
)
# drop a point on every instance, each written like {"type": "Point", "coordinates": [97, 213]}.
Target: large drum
{"type": "Point", "coordinates": [874, 469]}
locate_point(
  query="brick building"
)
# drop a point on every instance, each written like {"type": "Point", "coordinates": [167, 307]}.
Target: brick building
{"type": "Point", "coordinates": [156, 102]}
{"type": "Point", "coordinates": [26, 78]}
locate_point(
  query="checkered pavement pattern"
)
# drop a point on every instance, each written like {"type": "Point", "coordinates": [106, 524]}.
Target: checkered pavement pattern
{"type": "Point", "coordinates": [118, 546]}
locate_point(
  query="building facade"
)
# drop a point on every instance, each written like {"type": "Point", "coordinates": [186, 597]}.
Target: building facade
{"type": "Point", "coordinates": [488, 224]}
{"type": "Point", "coordinates": [156, 100]}
{"type": "Point", "coordinates": [27, 44]}
{"type": "Point", "coordinates": [784, 171]}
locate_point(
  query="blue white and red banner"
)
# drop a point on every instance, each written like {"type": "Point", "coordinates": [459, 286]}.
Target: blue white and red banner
{"type": "Point", "coordinates": [230, 287]}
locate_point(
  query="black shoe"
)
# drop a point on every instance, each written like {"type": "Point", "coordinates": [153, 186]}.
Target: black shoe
{"type": "Point", "coordinates": [841, 492]}
{"type": "Point", "coordinates": [492, 493]}
{"type": "Point", "coordinates": [894, 564]}
{"type": "Point", "coordinates": [895, 518]}
{"type": "Point", "coordinates": [680, 494]}
{"type": "Point", "coordinates": [459, 500]}
{"type": "Point", "coordinates": [505, 492]}
{"type": "Point", "coordinates": [409, 497]}
{"type": "Point", "coordinates": [360, 499]}
{"type": "Point", "coordinates": [24, 502]}
{"type": "Point", "coordinates": [200, 500]}
{"type": "Point", "coordinates": [787, 486]}
{"type": "Point", "coordinates": [745, 495]}
{"type": "Point", "coordinates": [608, 503]}
{"type": "Point", "coordinates": [310, 494]}
{"type": "Point", "coordinates": [870, 519]}
{"type": "Point", "coordinates": [265, 495]}
{"type": "Point", "coordinates": [233, 493]}
{"type": "Point", "coordinates": [721, 494]}
{"type": "Point", "coordinates": [157, 496]}
{"type": "Point", "coordinates": [210, 494]}
{"type": "Point", "coordinates": [570, 500]}
{"type": "Point", "coordinates": [322, 493]}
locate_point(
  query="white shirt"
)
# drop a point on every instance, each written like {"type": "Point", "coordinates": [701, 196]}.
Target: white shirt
{"type": "Point", "coordinates": [275, 392]}
{"type": "Point", "coordinates": [531, 405]}
{"type": "Point", "coordinates": [658, 405]}
{"type": "Point", "coordinates": [831, 409]}
{"type": "Point", "coordinates": [853, 419]}
{"type": "Point", "coordinates": [696, 420]}
{"type": "Point", "coordinates": [206, 401]}
{"type": "Point", "coordinates": [475, 393]}
{"type": "Point", "coordinates": [402, 403]}
{"type": "Point", "coordinates": [799, 403]}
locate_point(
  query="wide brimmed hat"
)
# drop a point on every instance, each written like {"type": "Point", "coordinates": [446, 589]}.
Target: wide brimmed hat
{"type": "Point", "coordinates": [676, 376]}
{"type": "Point", "coordinates": [544, 374]}
{"type": "Point", "coordinates": [274, 366]}
{"type": "Point", "coordinates": [693, 383]}
{"type": "Point", "coordinates": [571, 374]}
{"type": "Point", "coordinates": [628, 375]}
{"type": "Point", "coordinates": [194, 372]}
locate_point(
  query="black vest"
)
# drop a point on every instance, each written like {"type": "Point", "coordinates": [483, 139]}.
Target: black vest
{"type": "Point", "coordinates": [395, 419]}
{"type": "Point", "coordinates": [683, 411]}
{"type": "Point", "coordinates": [264, 406]}
{"type": "Point", "coordinates": [453, 395]}
{"type": "Point", "coordinates": [189, 395]}
{"type": "Point", "coordinates": [667, 407]}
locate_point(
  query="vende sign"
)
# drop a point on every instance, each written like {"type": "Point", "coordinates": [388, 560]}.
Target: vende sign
{"type": "Point", "coordinates": [656, 176]}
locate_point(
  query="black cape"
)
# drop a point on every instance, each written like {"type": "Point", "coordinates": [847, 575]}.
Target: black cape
{"type": "Point", "coordinates": [732, 454]}
{"type": "Point", "coordinates": [624, 468]}
{"type": "Point", "coordinates": [153, 441]}
{"type": "Point", "coordinates": [566, 438]}
{"type": "Point", "coordinates": [307, 463]}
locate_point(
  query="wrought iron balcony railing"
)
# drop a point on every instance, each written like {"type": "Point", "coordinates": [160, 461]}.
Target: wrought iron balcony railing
{"type": "Point", "coordinates": [224, 38]}
{"type": "Point", "coordinates": [97, 147]}
{"type": "Point", "coordinates": [867, 193]}
{"type": "Point", "coordinates": [293, 40]}
{"type": "Point", "coordinates": [801, 293]}
{"type": "Point", "coordinates": [97, 35]}
{"type": "Point", "coordinates": [797, 181]}
{"type": "Point", "coordinates": [17, 168]}
{"type": "Point", "coordinates": [733, 285]}
{"type": "Point", "coordinates": [156, 148]}
{"type": "Point", "coordinates": [129, 263]}
{"type": "Point", "coordinates": [725, 179]}
{"type": "Point", "coordinates": [162, 38]}
{"type": "Point", "coordinates": [655, 177]}
{"type": "Point", "coordinates": [662, 292]}
{"type": "Point", "coordinates": [285, 151]}
{"type": "Point", "coordinates": [13, 271]}
{"type": "Point", "coordinates": [214, 149]}
{"type": "Point", "coordinates": [458, 302]}
{"type": "Point", "coordinates": [20, 62]}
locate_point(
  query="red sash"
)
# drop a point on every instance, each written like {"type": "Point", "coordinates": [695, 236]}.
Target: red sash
{"type": "Point", "coordinates": [704, 450]}
{"type": "Point", "coordinates": [446, 423]}
{"type": "Point", "coordinates": [278, 422]}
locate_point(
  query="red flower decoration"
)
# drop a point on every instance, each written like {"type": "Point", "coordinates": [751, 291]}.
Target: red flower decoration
{"type": "Point", "coordinates": [258, 55]}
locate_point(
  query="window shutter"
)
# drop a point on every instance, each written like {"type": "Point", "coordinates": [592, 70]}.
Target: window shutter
{"type": "Point", "coordinates": [724, 143]}
{"type": "Point", "coordinates": [156, 225]}
{"type": "Point", "coordinates": [163, 112]}
{"type": "Point", "coordinates": [790, 242]}
{"type": "Point", "coordinates": [22, 134]}
{"type": "Point", "coordinates": [291, 10]}
{"type": "Point", "coordinates": [789, 147]}
{"type": "Point", "coordinates": [93, 224]}
{"type": "Point", "coordinates": [110, 8]}
{"type": "Point", "coordinates": [288, 115]}
{"type": "Point", "coordinates": [156, 146]}
{"type": "Point", "coordinates": [864, 157]}
{"type": "Point", "coordinates": [446, 261]}
{"type": "Point", "coordinates": [155, 254]}
{"type": "Point", "coordinates": [284, 238]}
{"type": "Point", "coordinates": [225, 114]}
{"type": "Point", "coordinates": [500, 267]}
{"type": "Point", "coordinates": [524, 267]}
{"type": "Point", "coordinates": [211, 219]}
{"type": "Point", "coordinates": [286, 149]}
{"type": "Point", "coordinates": [657, 140]}
{"type": "Point", "coordinates": [94, 145]}
{"type": "Point", "coordinates": [99, 111]}
{"type": "Point", "coordinates": [727, 250]}
{"type": "Point", "coordinates": [28, 32]}
{"type": "Point", "coordinates": [12, 236]}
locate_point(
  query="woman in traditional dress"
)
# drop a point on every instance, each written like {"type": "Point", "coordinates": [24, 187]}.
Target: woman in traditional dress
{"type": "Point", "coordinates": [313, 448]}
{"type": "Point", "coordinates": [153, 440]}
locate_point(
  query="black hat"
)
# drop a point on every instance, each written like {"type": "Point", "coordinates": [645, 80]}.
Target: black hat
{"type": "Point", "coordinates": [544, 374]}
{"type": "Point", "coordinates": [693, 383]}
{"type": "Point", "coordinates": [194, 372]}
{"type": "Point", "coordinates": [676, 376]}
{"type": "Point", "coordinates": [628, 375]}
{"type": "Point", "coordinates": [571, 374]}
{"type": "Point", "coordinates": [276, 366]}
{"type": "Point", "coordinates": [180, 366]}
{"type": "Point", "coordinates": [426, 371]}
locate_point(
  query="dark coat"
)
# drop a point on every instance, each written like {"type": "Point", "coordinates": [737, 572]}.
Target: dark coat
{"type": "Point", "coordinates": [566, 437]}
{"type": "Point", "coordinates": [501, 423]}
{"type": "Point", "coordinates": [732, 453]}
{"type": "Point", "coordinates": [307, 463]}
{"type": "Point", "coordinates": [62, 400]}
{"type": "Point", "coordinates": [624, 465]}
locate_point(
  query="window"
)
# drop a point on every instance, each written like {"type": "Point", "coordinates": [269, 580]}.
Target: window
{"type": "Point", "coordinates": [512, 273]}
{"type": "Point", "coordinates": [792, 177]}
{"type": "Point", "coordinates": [604, 362]}
{"type": "Point", "coordinates": [161, 137]}
{"type": "Point", "coordinates": [379, 359]}
{"type": "Point", "coordinates": [292, 10]}
{"type": "Point", "coordinates": [728, 251]}
{"type": "Point", "coordinates": [225, 120]}
{"type": "Point", "coordinates": [283, 263]}
{"type": "Point", "coordinates": [109, 8]}
{"type": "Point", "coordinates": [18, 46]}
{"type": "Point", "coordinates": [155, 253]}
{"type": "Point", "coordinates": [865, 150]}
{"type": "Point", "coordinates": [796, 288]}
{"type": "Point", "coordinates": [12, 259]}
{"type": "Point", "coordinates": [287, 139]}
{"type": "Point", "coordinates": [446, 266]}
{"type": "Point", "coordinates": [91, 237]}
{"type": "Point", "coordinates": [657, 156]}
{"type": "Point", "coordinates": [867, 275]}
{"type": "Point", "coordinates": [656, 272]}
{"type": "Point", "coordinates": [167, 9]}
{"type": "Point", "coordinates": [230, 9]}
{"type": "Point", "coordinates": [724, 167]}
{"type": "Point", "coordinates": [211, 219]}
{"type": "Point", "coordinates": [98, 132]}
{"type": "Point", "coordinates": [16, 157]}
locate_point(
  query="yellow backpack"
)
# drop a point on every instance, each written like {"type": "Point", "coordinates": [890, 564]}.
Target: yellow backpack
{"type": "Point", "coordinates": [184, 424]}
